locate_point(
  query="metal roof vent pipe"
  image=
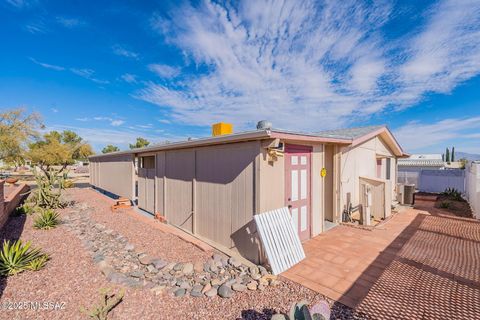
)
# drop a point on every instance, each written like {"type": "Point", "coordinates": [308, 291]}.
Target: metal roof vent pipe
{"type": "Point", "coordinates": [264, 125]}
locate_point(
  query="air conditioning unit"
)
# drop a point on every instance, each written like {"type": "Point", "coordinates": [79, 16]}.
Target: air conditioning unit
{"type": "Point", "coordinates": [405, 193]}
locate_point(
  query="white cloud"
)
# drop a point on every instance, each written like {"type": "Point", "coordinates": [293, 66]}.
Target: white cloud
{"type": "Point", "coordinates": [164, 71]}
{"type": "Point", "coordinates": [88, 74]}
{"type": "Point", "coordinates": [48, 66]}
{"type": "Point", "coordinates": [20, 4]}
{"type": "Point", "coordinates": [309, 66]}
{"type": "Point", "coordinates": [116, 123]}
{"type": "Point", "coordinates": [113, 122]}
{"type": "Point", "coordinates": [418, 136]}
{"type": "Point", "coordinates": [37, 27]}
{"type": "Point", "coordinates": [121, 51]}
{"type": "Point", "coordinates": [128, 77]}
{"type": "Point", "coordinates": [70, 22]}
{"type": "Point", "coordinates": [85, 119]}
{"type": "Point", "coordinates": [54, 110]}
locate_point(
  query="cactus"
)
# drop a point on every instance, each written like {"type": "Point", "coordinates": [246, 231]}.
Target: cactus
{"type": "Point", "coordinates": [107, 303]}
{"type": "Point", "coordinates": [49, 189]}
{"type": "Point", "coordinates": [300, 311]}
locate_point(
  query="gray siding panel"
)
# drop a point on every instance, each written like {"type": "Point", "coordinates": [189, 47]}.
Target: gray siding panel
{"type": "Point", "coordinates": [180, 172]}
{"type": "Point", "coordinates": [225, 191]}
{"type": "Point", "coordinates": [114, 174]}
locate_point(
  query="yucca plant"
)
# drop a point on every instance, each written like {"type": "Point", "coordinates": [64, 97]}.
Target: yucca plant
{"type": "Point", "coordinates": [47, 219]}
{"type": "Point", "coordinates": [16, 257]}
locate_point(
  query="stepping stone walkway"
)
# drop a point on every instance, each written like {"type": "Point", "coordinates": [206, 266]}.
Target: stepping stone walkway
{"type": "Point", "coordinates": [122, 264]}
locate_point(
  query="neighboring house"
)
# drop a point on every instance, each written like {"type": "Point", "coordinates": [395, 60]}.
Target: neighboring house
{"type": "Point", "coordinates": [212, 187]}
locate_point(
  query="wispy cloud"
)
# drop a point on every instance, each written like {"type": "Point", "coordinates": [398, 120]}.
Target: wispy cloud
{"type": "Point", "coordinates": [48, 66]}
{"type": "Point", "coordinates": [128, 77]}
{"type": "Point", "coordinates": [121, 51]}
{"type": "Point", "coordinates": [20, 4]}
{"type": "Point", "coordinates": [113, 121]}
{"type": "Point", "coordinates": [36, 27]}
{"type": "Point", "coordinates": [164, 71]}
{"type": "Point", "coordinates": [88, 74]}
{"type": "Point", "coordinates": [306, 65]}
{"type": "Point", "coordinates": [70, 22]}
{"type": "Point", "coordinates": [417, 135]}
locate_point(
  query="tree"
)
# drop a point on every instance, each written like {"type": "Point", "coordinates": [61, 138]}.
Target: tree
{"type": "Point", "coordinates": [453, 154]}
{"type": "Point", "coordinates": [141, 142]}
{"type": "Point", "coordinates": [447, 155]}
{"type": "Point", "coordinates": [17, 129]}
{"type": "Point", "coordinates": [58, 149]}
{"type": "Point", "coordinates": [110, 148]}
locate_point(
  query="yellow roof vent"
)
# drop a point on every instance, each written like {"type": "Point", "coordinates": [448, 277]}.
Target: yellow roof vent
{"type": "Point", "coordinates": [222, 128]}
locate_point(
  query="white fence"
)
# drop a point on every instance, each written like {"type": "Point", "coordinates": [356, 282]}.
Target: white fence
{"type": "Point", "coordinates": [473, 187]}
{"type": "Point", "coordinates": [434, 180]}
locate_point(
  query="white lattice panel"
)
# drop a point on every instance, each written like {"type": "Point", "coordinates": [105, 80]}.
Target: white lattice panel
{"type": "Point", "coordinates": [280, 239]}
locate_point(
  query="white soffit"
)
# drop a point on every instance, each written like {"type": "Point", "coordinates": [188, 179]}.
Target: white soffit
{"type": "Point", "coordinates": [280, 239]}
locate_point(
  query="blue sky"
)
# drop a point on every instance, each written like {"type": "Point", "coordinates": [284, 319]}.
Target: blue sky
{"type": "Point", "coordinates": [166, 70]}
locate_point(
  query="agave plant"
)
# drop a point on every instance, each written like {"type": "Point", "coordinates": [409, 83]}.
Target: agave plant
{"type": "Point", "coordinates": [47, 219]}
{"type": "Point", "coordinates": [16, 257]}
{"type": "Point", "coordinates": [300, 311]}
{"type": "Point", "coordinates": [38, 263]}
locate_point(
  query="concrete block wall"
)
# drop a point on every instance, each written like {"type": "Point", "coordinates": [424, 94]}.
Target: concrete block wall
{"type": "Point", "coordinates": [3, 213]}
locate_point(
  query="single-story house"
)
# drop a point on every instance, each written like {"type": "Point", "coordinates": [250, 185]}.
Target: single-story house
{"type": "Point", "coordinates": [211, 187]}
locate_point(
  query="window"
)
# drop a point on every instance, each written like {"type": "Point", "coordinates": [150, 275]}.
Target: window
{"type": "Point", "coordinates": [388, 168]}
{"type": "Point", "coordinates": [379, 168]}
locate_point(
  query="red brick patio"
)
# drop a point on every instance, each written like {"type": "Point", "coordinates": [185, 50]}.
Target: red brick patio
{"type": "Point", "coordinates": [422, 264]}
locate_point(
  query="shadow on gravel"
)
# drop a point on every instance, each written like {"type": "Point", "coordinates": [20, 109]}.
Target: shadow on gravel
{"type": "Point", "coordinates": [250, 314]}
{"type": "Point", "coordinates": [12, 230]}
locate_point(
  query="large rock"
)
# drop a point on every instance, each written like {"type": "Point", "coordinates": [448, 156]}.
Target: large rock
{"type": "Point", "coordinates": [187, 268]}
{"type": "Point", "coordinates": [252, 285]}
{"type": "Point", "coordinates": [239, 287]}
{"type": "Point", "coordinates": [144, 259]}
{"type": "Point", "coordinates": [178, 266]}
{"type": "Point", "coordinates": [225, 291]}
{"type": "Point", "coordinates": [180, 292]}
{"type": "Point", "coordinates": [207, 287]}
{"type": "Point", "coordinates": [211, 293]}
{"type": "Point", "coordinates": [159, 264]}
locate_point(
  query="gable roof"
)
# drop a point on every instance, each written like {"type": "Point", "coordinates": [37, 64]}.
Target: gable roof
{"type": "Point", "coordinates": [349, 133]}
{"type": "Point", "coordinates": [351, 137]}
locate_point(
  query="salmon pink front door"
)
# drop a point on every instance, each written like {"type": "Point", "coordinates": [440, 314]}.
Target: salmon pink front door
{"type": "Point", "coordinates": [297, 192]}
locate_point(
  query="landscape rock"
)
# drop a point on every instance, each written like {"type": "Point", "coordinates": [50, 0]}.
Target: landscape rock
{"type": "Point", "coordinates": [180, 292]}
{"type": "Point", "coordinates": [212, 292]}
{"type": "Point", "coordinates": [187, 268]}
{"type": "Point", "coordinates": [239, 287]}
{"type": "Point", "coordinates": [225, 291]}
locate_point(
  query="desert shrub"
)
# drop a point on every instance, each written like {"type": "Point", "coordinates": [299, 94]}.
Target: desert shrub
{"type": "Point", "coordinates": [16, 257]}
{"type": "Point", "coordinates": [108, 301]}
{"type": "Point", "coordinates": [444, 205]}
{"type": "Point", "coordinates": [46, 219]}
{"type": "Point", "coordinates": [26, 208]}
{"type": "Point", "coordinates": [453, 194]}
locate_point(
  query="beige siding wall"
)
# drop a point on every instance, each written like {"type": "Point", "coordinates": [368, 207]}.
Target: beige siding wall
{"type": "Point", "coordinates": [210, 191]}
{"type": "Point", "coordinates": [114, 174]}
{"type": "Point", "coordinates": [361, 161]}
{"type": "Point", "coordinates": [179, 174]}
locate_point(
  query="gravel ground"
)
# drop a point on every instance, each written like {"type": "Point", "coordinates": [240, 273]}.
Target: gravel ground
{"type": "Point", "coordinates": [71, 277]}
{"type": "Point", "coordinates": [145, 238]}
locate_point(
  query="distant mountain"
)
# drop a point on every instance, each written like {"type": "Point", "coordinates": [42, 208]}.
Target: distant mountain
{"type": "Point", "coordinates": [468, 156]}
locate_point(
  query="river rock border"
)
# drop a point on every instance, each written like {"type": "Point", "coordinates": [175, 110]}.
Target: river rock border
{"type": "Point", "coordinates": [122, 264]}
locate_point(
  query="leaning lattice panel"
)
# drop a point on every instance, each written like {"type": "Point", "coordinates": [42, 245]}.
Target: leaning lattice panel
{"type": "Point", "coordinates": [280, 241]}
